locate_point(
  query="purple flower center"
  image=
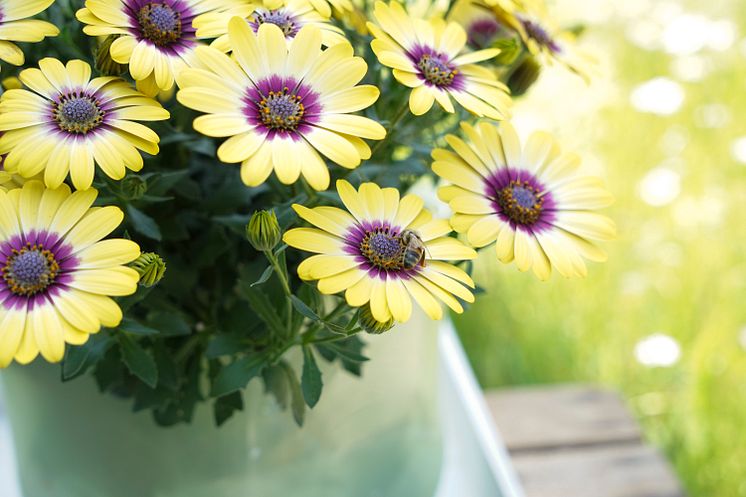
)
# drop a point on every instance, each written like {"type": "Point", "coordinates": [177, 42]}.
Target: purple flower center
{"type": "Point", "coordinates": [281, 110]}
{"type": "Point", "coordinates": [521, 202]}
{"type": "Point", "coordinates": [77, 113]}
{"type": "Point", "coordinates": [383, 248]}
{"type": "Point", "coordinates": [538, 33]}
{"type": "Point", "coordinates": [483, 32]}
{"type": "Point", "coordinates": [280, 18]}
{"type": "Point", "coordinates": [30, 270]}
{"type": "Point", "coordinates": [159, 23]}
{"type": "Point", "coordinates": [436, 69]}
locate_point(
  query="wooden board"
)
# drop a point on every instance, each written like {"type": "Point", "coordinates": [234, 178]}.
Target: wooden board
{"type": "Point", "coordinates": [578, 441]}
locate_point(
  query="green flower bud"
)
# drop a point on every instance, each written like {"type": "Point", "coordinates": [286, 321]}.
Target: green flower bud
{"type": "Point", "coordinates": [371, 324]}
{"type": "Point", "coordinates": [104, 63]}
{"type": "Point", "coordinates": [524, 76]}
{"type": "Point", "coordinates": [150, 267]}
{"type": "Point", "coordinates": [134, 186]}
{"type": "Point", "coordinates": [263, 230]}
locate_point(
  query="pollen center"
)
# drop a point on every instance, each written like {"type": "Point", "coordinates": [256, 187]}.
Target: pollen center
{"type": "Point", "coordinates": [159, 23]}
{"type": "Point", "coordinates": [521, 202]}
{"type": "Point", "coordinates": [285, 21]}
{"type": "Point", "coordinates": [281, 110]}
{"type": "Point", "coordinates": [436, 70]}
{"type": "Point", "coordinates": [77, 114]}
{"type": "Point", "coordinates": [30, 270]}
{"type": "Point", "coordinates": [383, 249]}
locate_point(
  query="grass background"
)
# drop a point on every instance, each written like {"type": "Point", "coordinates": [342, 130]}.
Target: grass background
{"type": "Point", "coordinates": [677, 268]}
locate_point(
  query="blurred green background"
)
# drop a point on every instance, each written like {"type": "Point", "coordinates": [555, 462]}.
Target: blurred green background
{"type": "Point", "coordinates": [664, 321]}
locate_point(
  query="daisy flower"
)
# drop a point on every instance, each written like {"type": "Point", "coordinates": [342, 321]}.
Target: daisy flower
{"type": "Point", "coordinates": [429, 57]}
{"type": "Point", "coordinates": [289, 15]}
{"type": "Point", "coordinates": [157, 38]}
{"type": "Point", "coordinates": [281, 106]}
{"type": "Point", "coordinates": [533, 202]}
{"type": "Point", "coordinates": [480, 23]}
{"type": "Point", "coordinates": [385, 251]}
{"type": "Point", "coordinates": [57, 274]}
{"type": "Point", "coordinates": [67, 122]}
{"type": "Point", "coordinates": [15, 26]}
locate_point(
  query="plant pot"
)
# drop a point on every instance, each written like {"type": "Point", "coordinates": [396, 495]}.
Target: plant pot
{"type": "Point", "coordinates": [375, 436]}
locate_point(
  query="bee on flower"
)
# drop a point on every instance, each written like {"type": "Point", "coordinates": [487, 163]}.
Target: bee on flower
{"type": "Point", "coordinates": [156, 38]}
{"type": "Point", "coordinates": [63, 122]}
{"type": "Point", "coordinates": [289, 15]}
{"type": "Point", "coordinates": [531, 201]}
{"type": "Point", "coordinates": [58, 275]}
{"type": "Point", "coordinates": [282, 107]}
{"type": "Point", "coordinates": [15, 25]}
{"type": "Point", "coordinates": [383, 251]}
{"type": "Point", "coordinates": [430, 57]}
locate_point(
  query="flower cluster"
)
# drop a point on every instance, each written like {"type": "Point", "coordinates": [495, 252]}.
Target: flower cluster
{"type": "Point", "coordinates": [304, 95]}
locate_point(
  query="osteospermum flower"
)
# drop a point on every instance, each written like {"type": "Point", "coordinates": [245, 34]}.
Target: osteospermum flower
{"type": "Point", "coordinates": [156, 38]}
{"type": "Point", "coordinates": [67, 122]}
{"type": "Point", "coordinates": [533, 202]}
{"type": "Point", "coordinates": [479, 21]}
{"type": "Point", "coordinates": [282, 106]}
{"type": "Point", "coordinates": [15, 26]}
{"type": "Point", "coordinates": [386, 251]}
{"type": "Point", "coordinates": [429, 57]}
{"type": "Point", "coordinates": [57, 274]}
{"type": "Point", "coordinates": [289, 15]}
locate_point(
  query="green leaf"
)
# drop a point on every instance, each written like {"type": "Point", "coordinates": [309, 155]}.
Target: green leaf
{"type": "Point", "coordinates": [237, 375]}
{"type": "Point", "coordinates": [224, 344]}
{"type": "Point", "coordinates": [79, 359]}
{"type": "Point", "coordinates": [170, 323]}
{"type": "Point", "coordinates": [302, 308]}
{"type": "Point", "coordinates": [131, 326]}
{"type": "Point", "coordinates": [261, 304]}
{"type": "Point", "coordinates": [276, 383]}
{"type": "Point", "coordinates": [138, 361]}
{"type": "Point", "coordinates": [226, 406]}
{"type": "Point", "coordinates": [311, 383]}
{"type": "Point", "coordinates": [142, 223]}
{"type": "Point", "coordinates": [264, 277]}
{"type": "Point", "coordinates": [344, 353]}
{"type": "Point", "coordinates": [297, 404]}
{"type": "Point", "coordinates": [235, 222]}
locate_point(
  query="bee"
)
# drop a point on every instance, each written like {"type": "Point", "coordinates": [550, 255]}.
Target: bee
{"type": "Point", "coordinates": [413, 250]}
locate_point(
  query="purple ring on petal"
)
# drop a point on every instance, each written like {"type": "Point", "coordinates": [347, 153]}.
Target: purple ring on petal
{"type": "Point", "coordinates": [282, 106]}
{"type": "Point", "coordinates": [281, 18]}
{"type": "Point", "coordinates": [165, 24]}
{"type": "Point", "coordinates": [35, 266]}
{"type": "Point", "coordinates": [537, 32]}
{"type": "Point", "coordinates": [483, 31]}
{"type": "Point", "coordinates": [378, 249]}
{"type": "Point", "coordinates": [521, 200]}
{"type": "Point", "coordinates": [78, 112]}
{"type": "Point", "coordinates": [435, 68]}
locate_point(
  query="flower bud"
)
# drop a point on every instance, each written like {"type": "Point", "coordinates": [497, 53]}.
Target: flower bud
{"type": "Point", "coordinates": [371, 324]}
{"type": "Point", "coordinates": [134, 186]}
{"type": "Point", "coordinates": [263, 230]}
{"type": "Point", "coordinates": [524, 76]}
{"type": "Point", "coordinates": [150, 267]}
{"type": "Point", "coordinates": [104, 63]}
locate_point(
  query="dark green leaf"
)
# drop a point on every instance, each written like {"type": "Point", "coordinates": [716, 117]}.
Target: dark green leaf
{"type": "Point", "coordinates": [264, 277]}
{"type": "Point", "coordinates": [344, 353]}
{"type": "Point", "coordinates": [261, 304]}
{"type": "Point", "coordinates": [224, 344]}
{"type": "Point", "coordinates": [226, 406]}
{"type": "Point", "coordinates": [79, 359]}
{"type": "Point", "coordinates": [276, 383]}
{"type": "Point", "coordinates": [297, 404]}
{"type": "Point", "coordinates": [302, 308]}
{"type": "Point", "coordinates": [170, 323]}
{"type": "Point", "coordinates": [131, 326]}
{"type": "Point", "coordinates": [237, 375]}
{"type": "Point", "coordinates": [138, 361]}
{"type": "Point", "coordinates": [311, 380]}
{"type": "Point", "coordinates": [142, 223]}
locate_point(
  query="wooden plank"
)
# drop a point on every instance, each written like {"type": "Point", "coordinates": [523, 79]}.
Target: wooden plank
{"type": "Point", "coordinates": [603, 471]}
{"type": "Point", "coordinates": [555, 416]}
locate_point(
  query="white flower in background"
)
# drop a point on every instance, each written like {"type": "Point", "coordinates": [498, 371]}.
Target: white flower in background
{"type": "Point", "coordinates": [659, 95]}
{"type": "Point", "coordinates": [660, 186]}
{"type": "Point", "coordinates": [658, 349]}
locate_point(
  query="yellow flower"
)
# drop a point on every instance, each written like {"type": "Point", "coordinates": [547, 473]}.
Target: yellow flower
{"type": "Point", "coordinates": [68, 122]}
{"type": "Point", "coordinates": [15, 26]}
{"type": "Point", "coordinates": [57, 274]}
{"type": "Point", "coordinates": [533, 202]}
{"type": "Point", "coordinates": [386, 251]}
{"type": "Point", "coordinates": [429, 57]}
{"type": "Point", "coordinates": [289, 15]}
{"type": "Point", "coordinates": [157, 38]}
{"type": "Point", "coordinates": [482, 25]}
{"type": "Point", "coordinates": [282, 106]}
{"type": "Point", "coordinates": [9, 181]}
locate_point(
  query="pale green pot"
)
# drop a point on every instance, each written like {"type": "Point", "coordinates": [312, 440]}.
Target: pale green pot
{"type": "Point", "coordinates": [378, 436]}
